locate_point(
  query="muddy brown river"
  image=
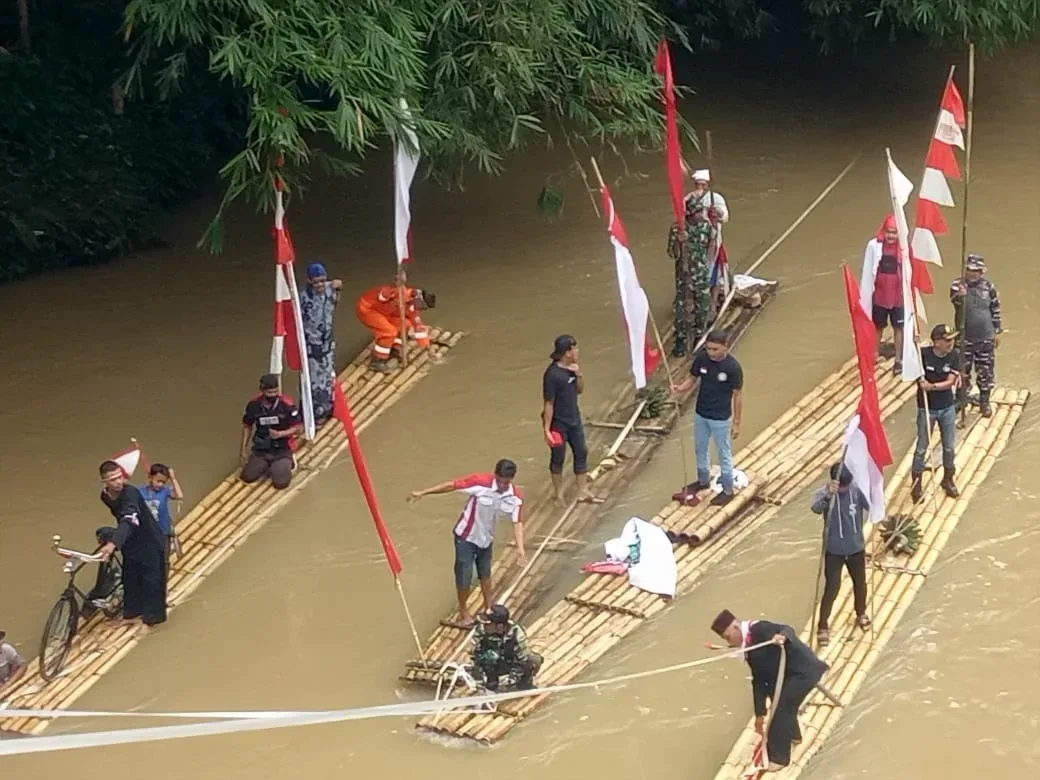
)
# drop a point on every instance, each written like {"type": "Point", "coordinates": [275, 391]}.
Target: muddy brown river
{"type": "Point", "coordinates": [167, 346]}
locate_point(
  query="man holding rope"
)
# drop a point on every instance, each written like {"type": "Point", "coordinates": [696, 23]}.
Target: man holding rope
{"type": "Point", "coordinates": [801, 672]}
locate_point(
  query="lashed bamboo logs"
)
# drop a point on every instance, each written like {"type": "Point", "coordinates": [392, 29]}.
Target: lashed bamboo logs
{"type": "Point", "coordinates": [215, 528]}
{"type": "Point", "coordinates": [610, 476]}
{"type": "Point", "coordinates": [785, 458]}
{"type": "Point", "coordinates": [852, 655]}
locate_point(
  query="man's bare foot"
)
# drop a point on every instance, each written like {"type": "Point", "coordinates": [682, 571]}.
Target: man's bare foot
{"type": "Point", "coordinates": [463, 622]}
{"type": "Point", "coordinates": [589, 498]}
{"type": "Point", "coordinates": [558, 500]}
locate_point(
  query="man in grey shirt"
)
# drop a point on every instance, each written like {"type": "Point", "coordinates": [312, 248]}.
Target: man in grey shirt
{"type": "Point", "coordinates": [976, 304]}
{"type": "Point", "coordinates": [12, 665]}
{"type": "Point", "coordinates": [844, 508]}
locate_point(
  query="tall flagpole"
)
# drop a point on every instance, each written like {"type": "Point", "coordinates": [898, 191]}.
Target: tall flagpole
{"type": "Point", "coordinates": [970, 109]}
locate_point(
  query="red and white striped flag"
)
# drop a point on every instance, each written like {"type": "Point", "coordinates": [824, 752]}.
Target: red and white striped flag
{"type": "Point", "coordinates": [866, 446]}
{"type": "Point", "coordinates": [406, 162]}
{"type": "Point", "coordinates": [900, 189]}
{"type": "Point", "coordinates": [131, 459]}
{"type": "Point", "coordinates": [672, 153]}
{"type": "Point", "coordinates": [288, 321]}
{"type": "Point", "coordinates": [634, 302]}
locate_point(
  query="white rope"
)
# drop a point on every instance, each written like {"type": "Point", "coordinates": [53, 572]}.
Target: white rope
{"type": "Point", "coordinates": [238, 722]}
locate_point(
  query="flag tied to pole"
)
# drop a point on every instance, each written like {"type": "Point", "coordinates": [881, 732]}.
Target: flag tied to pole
{"type": "Point", "coordinates": [341, 411]}
{"type": "Point", "coordinates": [866, 445]}
{"type": "Point", "coordinates": [288, 320]}
{"type": "Point", "coordinates": [130, 460]}
{"type": "Point", "coordinates": [672, 152]}
{"type": "Point", "coordinates": [940, 164]}
{"type": "Point", "coordinates": [900, 188]}
{"type": "Point", "coordinates": [406, 162]}
{"type": "Point", "coordinates": [634, 303]}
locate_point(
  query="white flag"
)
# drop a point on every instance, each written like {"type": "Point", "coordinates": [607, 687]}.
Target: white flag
{"type": "Point", "coordinates": [406, 162]}
{"type": "Point", "coordinates": [900, 188]}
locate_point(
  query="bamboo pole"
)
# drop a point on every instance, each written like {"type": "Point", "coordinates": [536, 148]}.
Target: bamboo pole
{"type": "Point", "coordinates": [970, 111]}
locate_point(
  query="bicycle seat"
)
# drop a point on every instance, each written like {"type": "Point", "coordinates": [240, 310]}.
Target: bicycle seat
{"type": "Point", "coordinates": [105, 534]}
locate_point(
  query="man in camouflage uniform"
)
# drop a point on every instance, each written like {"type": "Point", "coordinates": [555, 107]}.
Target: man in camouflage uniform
{"type": "Point", "coordinates": [977, 305]}
{"type": "Point", "coordinates": [500, 648]}
{"type": "Point", "coordinates": [694, 251]}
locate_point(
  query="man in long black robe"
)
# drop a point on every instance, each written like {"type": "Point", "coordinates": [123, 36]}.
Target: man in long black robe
{"type": "Point", "coordinates": [802, 671]}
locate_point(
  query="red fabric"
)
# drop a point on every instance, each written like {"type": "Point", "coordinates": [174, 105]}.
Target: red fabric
{"type": "Point", "coordinates": [672, 152]}
{"type": "Point", "coordinates": [930, 217]}
{"type": "Point", "coordinates": [473, 480]}
{"type": "Point", "coordinates": [920, 278]}
{"type": "Point", "coordinates": [341, 411]}
{"type": "Point", "coordinates": [284, 316]}
{"type": "Point", "coordinates": [941, 157]}
{"type": "Point", "coordinates": [865, 337]}
{"type": "Point", "coordinates": [604, 567]}
{"type": "Point", "coordinates": [952, 102]}
{"type": "Point", "coordinates": [888, 287]}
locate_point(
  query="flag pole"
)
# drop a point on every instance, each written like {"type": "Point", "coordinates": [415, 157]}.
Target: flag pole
{"type": "Point", "coordinates": [408, 614]}
{"type": "Point", "coordinates": [823, 553]}
{"type": "Point", "coordinates": [970, 110]}
{"type": "Point", "coordinates": [400, 314]}
{"type": "Point", "coordinates": [660, 349]}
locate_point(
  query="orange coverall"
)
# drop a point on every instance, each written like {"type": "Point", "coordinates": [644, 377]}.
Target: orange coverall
{"type": "Point", "coordinates": [378, 310]}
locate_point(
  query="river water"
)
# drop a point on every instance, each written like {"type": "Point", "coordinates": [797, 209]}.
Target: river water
{"type": "Point", "coordinates": [166, 346]}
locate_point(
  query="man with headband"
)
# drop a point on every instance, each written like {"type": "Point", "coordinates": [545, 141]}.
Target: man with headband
{"type": "Point", "coordinates": [802, 672]}
{"type": "Point", "coordinates": [317, 305]}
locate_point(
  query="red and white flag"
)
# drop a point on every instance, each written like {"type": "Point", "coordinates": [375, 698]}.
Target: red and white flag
{"type": "Point", "coordinates": [672, 153]}
{"type": "Point", "coordinates": [131, 459]}
{"type": "Point", "coordinates": [341, 411]}
{"type": "Point", "coordinates": [900, 188]}
{"type": "Point", "coordinates": [406, 162]}
{"type": "Point", "coordinates": [866, 445]}
{"type": "Point", "coordinates": [634, 302]}
{"type": "Point", "coordinates": [940, 164]}
{"type": "Point", "coordinates": [288, 322]}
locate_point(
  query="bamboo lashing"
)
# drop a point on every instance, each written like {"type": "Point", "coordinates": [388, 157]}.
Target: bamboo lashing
{"type": "Point", "coordinates": [607, 604]}
{"type": "Point", "coordinates": [217, 526]}
{"type": "Point", "coordinates": [851, 661]}
{"type": "Point", "coordinates": [608, 476]}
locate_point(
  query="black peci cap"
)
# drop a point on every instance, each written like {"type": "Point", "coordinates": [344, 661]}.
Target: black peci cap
{"type": "Point", "coordinates": [561, 345]}
{"type": "Point", "coordinates": [269, 382]}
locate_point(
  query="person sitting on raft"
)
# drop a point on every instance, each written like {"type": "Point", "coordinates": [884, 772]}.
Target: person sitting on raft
{"type": "Point", "coordinates": [500, 648]}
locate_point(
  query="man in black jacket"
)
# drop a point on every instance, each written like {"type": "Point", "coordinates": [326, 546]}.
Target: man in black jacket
{"type": "Point", "coordinates": [141, 541]}
{"type": "Point", "coordinates": [802, 671]}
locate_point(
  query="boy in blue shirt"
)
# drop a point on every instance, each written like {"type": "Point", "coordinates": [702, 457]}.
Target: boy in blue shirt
{"type": "Point", "coordinates": [162, 486]}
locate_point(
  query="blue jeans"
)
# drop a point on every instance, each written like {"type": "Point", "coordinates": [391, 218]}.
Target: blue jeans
{"type": "Point", "coordinates": [704, 432]}
{"type": "Point", "coordinates": [947, 421]}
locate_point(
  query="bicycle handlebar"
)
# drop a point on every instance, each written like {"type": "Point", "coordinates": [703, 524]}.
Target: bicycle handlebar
{"type": "Point", "coordinates": [68, 554]}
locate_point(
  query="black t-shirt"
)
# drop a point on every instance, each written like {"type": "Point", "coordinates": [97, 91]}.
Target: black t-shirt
{"type": "Point", "coordinates": [138, 535]}
{"type": "Point", "coordinates": [560, 386]}
{"type": "Point", "coordinates": [264, 416]}
{"type": "Point", "coordinates": [938, 369]}
{"type": "Point", "coordinates": [717, 380]}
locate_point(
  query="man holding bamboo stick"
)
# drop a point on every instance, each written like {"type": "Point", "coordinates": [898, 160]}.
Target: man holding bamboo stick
{"type": "Point", "coordinates": [937, 405]}
{"type": "Point", "coordinates": [802, 672]}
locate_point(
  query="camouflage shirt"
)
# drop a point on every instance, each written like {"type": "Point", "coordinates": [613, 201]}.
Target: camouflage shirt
{"type": "Point", "coordinates": [489, 648]}
{"type": "Point", "coordinates": [982, 318]}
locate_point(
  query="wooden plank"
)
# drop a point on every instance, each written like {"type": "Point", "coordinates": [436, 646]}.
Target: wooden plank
{"type": "Point", "coordinates": [216, 527]}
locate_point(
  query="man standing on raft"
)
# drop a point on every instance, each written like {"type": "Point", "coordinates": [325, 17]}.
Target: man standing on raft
{"type": "Point", "coordinates": [802, 672]}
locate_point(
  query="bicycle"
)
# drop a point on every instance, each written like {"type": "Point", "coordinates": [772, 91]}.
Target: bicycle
{"type": "Point", "coordinates": [63, 620]}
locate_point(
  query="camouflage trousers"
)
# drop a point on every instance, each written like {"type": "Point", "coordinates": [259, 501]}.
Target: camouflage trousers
{"type": "Point", "coordinates": [980, 355]}
{"type": "Point", "coordinates": [692, 308]}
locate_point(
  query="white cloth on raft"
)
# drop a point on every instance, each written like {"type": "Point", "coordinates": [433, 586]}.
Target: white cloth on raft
{"type": "Point", "coordinates": [655, 570]}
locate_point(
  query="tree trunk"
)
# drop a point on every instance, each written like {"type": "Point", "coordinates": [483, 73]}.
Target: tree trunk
{"type": "Point", "coordinates": [23, 26]}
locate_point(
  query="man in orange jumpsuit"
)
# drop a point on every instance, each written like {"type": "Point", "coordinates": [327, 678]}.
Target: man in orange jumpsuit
{"type": "Point", "coordinates": [379, 310]}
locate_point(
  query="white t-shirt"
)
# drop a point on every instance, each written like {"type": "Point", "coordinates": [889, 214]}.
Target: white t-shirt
{"type": "Point", "coordinates": [485, 506]}
{"type": "Point", "coordinates": [10, 662]}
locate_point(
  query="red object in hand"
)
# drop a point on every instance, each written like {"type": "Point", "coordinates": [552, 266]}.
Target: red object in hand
{"type": "Point", "coordinates": [556, 438]}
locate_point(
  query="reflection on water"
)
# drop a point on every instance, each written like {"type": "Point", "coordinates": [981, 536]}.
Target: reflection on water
{"type": "Point", "coordinates": [305, 616]}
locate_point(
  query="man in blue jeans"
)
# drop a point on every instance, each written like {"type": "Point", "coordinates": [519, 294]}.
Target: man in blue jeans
{"type": "Point", "coordinates": [942, 367]}
{"type": "Point", "coordinates": [717, 414]}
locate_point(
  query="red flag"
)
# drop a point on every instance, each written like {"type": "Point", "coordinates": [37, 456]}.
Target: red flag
{"type": "Point", "coordinates": [341, 411]}
{"type": "Point", "coordinates": [672, 152]}
{"type": "Point", "coordinates": [866, 445]}
{"type": "Point", "coordinates": [634, 303]}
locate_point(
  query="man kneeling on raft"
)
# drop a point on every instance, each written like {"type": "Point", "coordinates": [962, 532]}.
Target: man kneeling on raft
{"type": "Point", "coordinates": [500, 648]}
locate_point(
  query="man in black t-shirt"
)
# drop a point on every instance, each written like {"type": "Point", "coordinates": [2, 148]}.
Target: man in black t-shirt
{"type": "Point", "coordinates": [717, 414]}
{"type": "Point", "coordinates": [270, 422]}
{"type": "Point", "coordinates": [142, 543]}
{"type": "Point", "coordinates": [562, 383]}
{"type": "Point", "coordinates": [942, 366]}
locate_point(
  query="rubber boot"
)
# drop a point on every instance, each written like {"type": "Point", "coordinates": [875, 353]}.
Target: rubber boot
{"type": "Point", "coordinates": [916, 488]}
{"type": "Point", "coordinates": [984, 408]}
{"type": "Point", "coordinates": [948, 485]}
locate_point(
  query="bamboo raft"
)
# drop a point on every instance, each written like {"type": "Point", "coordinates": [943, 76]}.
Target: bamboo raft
{"type": "Point", "coordinates": [852, 655]}
{"type": "Point", "coordinates": [781, 462]}
{"type": "Point", "coordinates": [217, 526]}
{"type": "Point", "coordinates": [610, 475]}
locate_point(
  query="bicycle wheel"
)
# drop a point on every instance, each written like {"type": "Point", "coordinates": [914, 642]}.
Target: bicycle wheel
{"type": "Point", "coordinates": [58, 635]}
{"type": "Point", "coordinates": [114, 605]}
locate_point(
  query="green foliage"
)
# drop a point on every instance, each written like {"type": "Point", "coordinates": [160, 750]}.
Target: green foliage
{"type": "Point", "coordinates": [481, 79]}
{"type": "Point", "coordinates": [78, 183]}
{"type": "Point", "coordinates": [990, 24]}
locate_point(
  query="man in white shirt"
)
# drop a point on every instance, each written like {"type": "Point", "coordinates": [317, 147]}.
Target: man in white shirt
{"type": "Point", "coordinates": [491, 497]}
